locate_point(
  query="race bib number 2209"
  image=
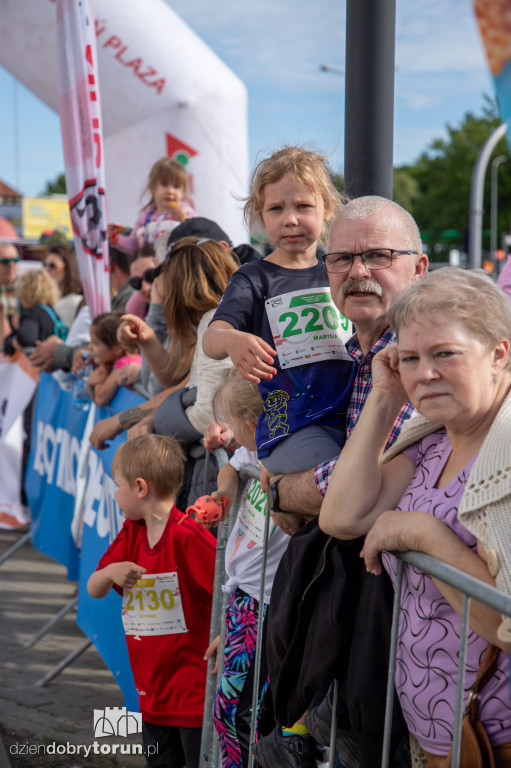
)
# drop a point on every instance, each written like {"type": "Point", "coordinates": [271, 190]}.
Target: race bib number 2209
{"type": "Point", "coordinates": [307, 327]}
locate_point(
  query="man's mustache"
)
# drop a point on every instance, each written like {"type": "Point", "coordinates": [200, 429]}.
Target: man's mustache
{"type": "Point", "coordinates": [361, 286]}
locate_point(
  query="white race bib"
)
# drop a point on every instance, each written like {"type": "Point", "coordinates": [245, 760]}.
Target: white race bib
{"type": "Point", "coordinates": [153, 606]}
{"type": "Point", "coordinates": [252, 512]}
{"type": "Point", "coordinates": [307, 327]}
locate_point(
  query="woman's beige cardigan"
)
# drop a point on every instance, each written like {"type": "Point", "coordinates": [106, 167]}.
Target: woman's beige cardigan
{"type": "Point", "coordinates": [485, 508]}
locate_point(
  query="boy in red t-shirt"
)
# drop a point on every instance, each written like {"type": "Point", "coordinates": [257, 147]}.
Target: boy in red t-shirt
{"type": "Point", "coordinates": [164, 571]}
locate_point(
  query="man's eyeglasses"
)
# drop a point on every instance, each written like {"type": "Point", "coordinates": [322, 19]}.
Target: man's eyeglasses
{"type": "Point", "coordinates": [147, 277]}
{"type": "Point", "coordinates": [6, 262]}
{"type": "Point", "coordinates": [376, 258]}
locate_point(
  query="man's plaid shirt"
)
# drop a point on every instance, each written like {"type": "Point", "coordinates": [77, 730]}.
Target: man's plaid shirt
{"type": "Point", "coordinates": [361, 388]}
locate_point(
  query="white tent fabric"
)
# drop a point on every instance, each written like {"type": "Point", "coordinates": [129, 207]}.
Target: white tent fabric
{"type": "Point", "coordinates": [163, 91]}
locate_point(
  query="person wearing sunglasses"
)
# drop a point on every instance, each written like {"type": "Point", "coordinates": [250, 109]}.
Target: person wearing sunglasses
{"type": "Point", "coordinates": [9, 305]}
{"type": "Point", "coordinates": [141, 280]}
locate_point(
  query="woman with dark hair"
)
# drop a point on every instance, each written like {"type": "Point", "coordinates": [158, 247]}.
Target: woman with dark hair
{"type": "Point", "coordinates": [192, 283]}
{"type": "Point", "coordinates": [61, 263]}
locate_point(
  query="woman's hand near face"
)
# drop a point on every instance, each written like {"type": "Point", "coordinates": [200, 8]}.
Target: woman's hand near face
{"type": "Point", "coordinates": [133, 330]}
{"type": "Point", "coordinates": [385, 375]}
{"type": "Point", "coordinates": [157, 290]}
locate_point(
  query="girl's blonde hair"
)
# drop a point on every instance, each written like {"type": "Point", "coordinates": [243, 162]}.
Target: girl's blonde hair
{"type": "Point", "coordinates": [303, 165]}
{"type": "Point", "coordinates": [158, 459]}
{"type": "Point", "coordinates": [237, 399]}
{"type": "Point", "coordinates": [167, 171]}
{"type": "Point", "coordinates": [37, 287]}
{"type": "Point", "coordinates": [195, 277]}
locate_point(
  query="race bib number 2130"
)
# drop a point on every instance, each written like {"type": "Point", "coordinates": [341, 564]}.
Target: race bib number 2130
{"type": "Point", "coordinates": [153, 606]}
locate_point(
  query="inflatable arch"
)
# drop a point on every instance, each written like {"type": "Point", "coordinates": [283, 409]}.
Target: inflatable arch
{"type": "Point", "coordinates": [163, 92]}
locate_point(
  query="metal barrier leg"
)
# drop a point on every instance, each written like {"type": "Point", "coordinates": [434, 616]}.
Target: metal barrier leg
{"type": "Point", "coordinates": [49, 676]}
{"type": "Point", "coordinates": [333, 731]}
{"type": "Point", "coordinates": [389, 705]}
{"type": "Point", "coordinates": [256, 660]}
{"type": "Point", "coordinates": [68, 607]}
{"type": "Point", "coordinates": [12, 550]}
{"type": "Point", "coordinates": [209, 752]}
{"type": "Point", "coordinates": [208, 726]}
{"type": "Point", "coordinates": [460, 682]}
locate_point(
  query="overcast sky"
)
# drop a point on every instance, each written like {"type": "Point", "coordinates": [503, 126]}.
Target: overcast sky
{"type": "Point", "coordinates": [276, 47]}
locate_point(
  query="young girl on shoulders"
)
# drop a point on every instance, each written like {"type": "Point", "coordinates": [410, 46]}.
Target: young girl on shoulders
{"type": "Point", "coordinates": [116, 364]}
{"type": "Point", "coordinates": [168, 207]}
{"type": "Point", "coordinates": [277, 322]}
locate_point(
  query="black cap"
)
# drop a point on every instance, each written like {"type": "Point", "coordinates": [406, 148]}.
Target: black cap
{"type": "Point", "coordinates": [198, 227]}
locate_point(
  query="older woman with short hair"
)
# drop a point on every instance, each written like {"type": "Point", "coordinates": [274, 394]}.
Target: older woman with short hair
{"type": "Point", "coordinates": [444, 488]}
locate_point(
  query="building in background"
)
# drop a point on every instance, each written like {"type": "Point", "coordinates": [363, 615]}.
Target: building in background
{"type": "Point", "coordinates": [46, 214]}
{"type": "Point", "coordinates": [11, 205]}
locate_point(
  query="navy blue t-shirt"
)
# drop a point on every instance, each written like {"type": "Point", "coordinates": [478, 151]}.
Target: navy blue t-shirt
{"type": "Point", "coordinates": [317, 392]}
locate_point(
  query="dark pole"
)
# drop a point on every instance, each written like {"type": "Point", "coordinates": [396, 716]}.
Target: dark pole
{"type": "Point", "coordinates": [369, 97]}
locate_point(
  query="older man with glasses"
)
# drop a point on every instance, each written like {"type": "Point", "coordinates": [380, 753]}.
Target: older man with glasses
{"type": "Point", "coordinates": [326, 620]}
{"type": "Point", "coordinates": [9, 306]}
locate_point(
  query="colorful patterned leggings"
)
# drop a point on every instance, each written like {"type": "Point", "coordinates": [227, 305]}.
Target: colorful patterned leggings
{"type": "Point", "coordinates": [233, 701]}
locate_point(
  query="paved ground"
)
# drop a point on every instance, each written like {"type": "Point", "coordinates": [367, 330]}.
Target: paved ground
{"type": "Point", "coordinates": [32, 589]}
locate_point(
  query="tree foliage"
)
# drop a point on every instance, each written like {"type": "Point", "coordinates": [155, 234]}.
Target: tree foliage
{"type": "Point", "coordinates": [443, 174]}
{"type": "Point", "coordinates": [406, 188]}
{"type": "Point", "coordinates": [55, 187]}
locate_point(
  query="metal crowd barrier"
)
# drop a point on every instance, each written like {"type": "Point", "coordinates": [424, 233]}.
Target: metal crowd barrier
{"type": "Point", "coordinates": [210, 749]}
{"type": "Point", "coordinates": [469, 586]}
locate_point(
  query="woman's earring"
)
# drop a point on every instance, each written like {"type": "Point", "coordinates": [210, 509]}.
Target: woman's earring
{"type": "Point", "coordinates": [494, 380]}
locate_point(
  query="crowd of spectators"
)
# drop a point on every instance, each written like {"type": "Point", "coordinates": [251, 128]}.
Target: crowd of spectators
{"type": "Point", "coordinates": [374, 401]}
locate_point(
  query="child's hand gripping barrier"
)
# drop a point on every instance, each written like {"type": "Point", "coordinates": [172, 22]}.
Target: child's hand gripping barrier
{"type": "Point", "coordinates": [206, 510]}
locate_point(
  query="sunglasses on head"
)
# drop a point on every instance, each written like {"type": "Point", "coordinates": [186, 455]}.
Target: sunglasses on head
{"type": "Point", "coordinates": [5, 262]}
{"type": "Point", "coordinates": [147, 277]}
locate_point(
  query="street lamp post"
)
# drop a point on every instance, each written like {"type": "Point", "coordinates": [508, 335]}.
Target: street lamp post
{"type": "Point", "coordinates": [497, 161]}
{"type": "Point", "coordinates": [475, 227]}
{"type": "Point", "coordinates": [369, 97]}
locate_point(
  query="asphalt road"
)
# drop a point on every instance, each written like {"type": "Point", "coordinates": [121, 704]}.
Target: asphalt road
{"type": "Point", "coordinates": [34, 719]}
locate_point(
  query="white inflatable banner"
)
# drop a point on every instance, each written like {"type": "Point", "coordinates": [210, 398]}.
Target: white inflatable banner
{"type": "Point", "coordinates": [18, 381]}
{"type": "Point", "coordinates": [80, 122]}
{"type": "Point", "coordinates": [163, 92]}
